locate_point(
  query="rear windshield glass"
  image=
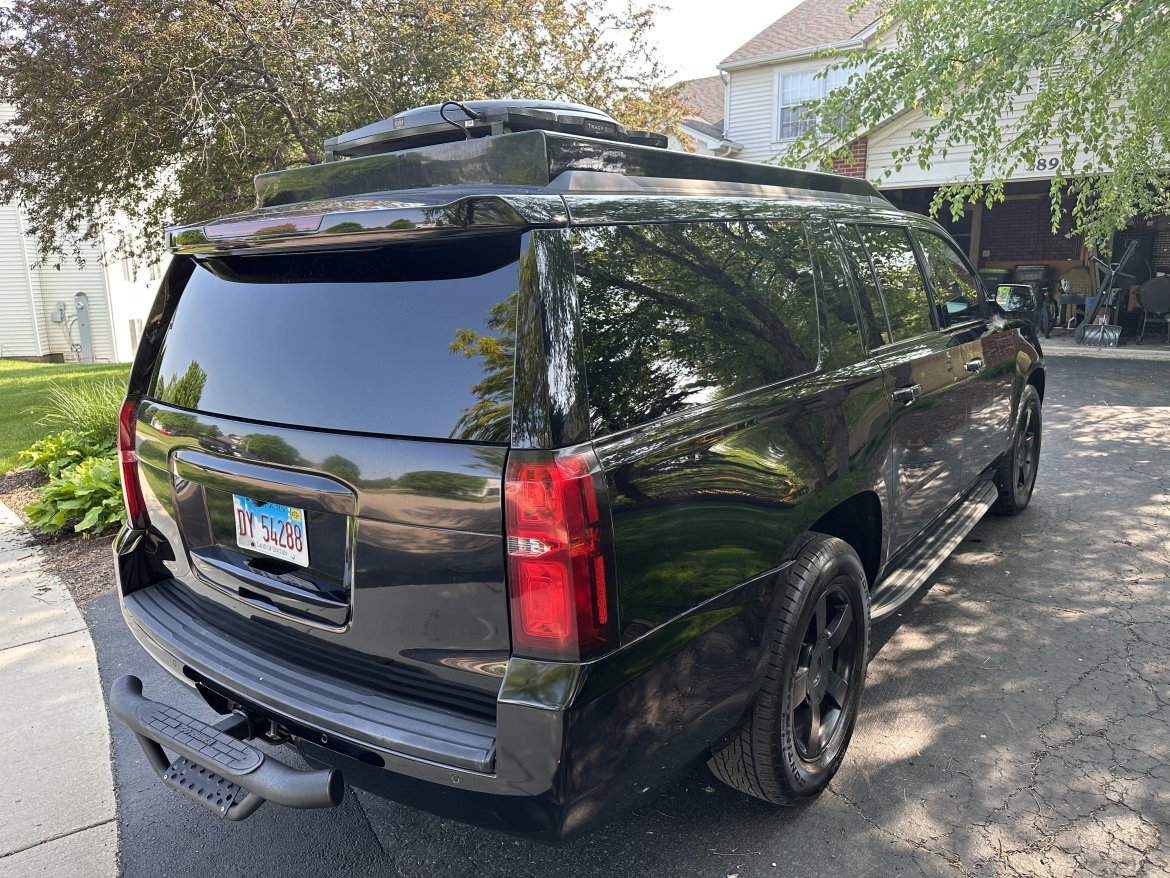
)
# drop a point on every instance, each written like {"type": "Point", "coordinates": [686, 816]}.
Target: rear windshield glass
{"type": "Point", "coordinates": [412, 340]}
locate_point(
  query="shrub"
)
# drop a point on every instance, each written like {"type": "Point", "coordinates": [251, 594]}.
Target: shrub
{"type": "Point", "coordinates": [88, 496]}
{"type": "Point", "coordinates": [87, 407]}
{"type": "Point", "coordinates": [59, 452]}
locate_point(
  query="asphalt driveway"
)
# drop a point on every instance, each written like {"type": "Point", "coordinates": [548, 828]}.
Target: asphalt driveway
{"type": "Point", "coordinates": [1015, 719]}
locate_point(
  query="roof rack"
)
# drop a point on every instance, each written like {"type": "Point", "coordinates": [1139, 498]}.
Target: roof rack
{"type": "Point", "coordinates": [532, 159]}
{"type": "Point", "coordinates": [464, 120]}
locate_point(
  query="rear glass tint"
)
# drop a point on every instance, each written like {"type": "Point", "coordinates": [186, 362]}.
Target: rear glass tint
{"type": "Point", "coordinates": [676, 315]}
{"type": "Point", "coordinates": [413, 340]}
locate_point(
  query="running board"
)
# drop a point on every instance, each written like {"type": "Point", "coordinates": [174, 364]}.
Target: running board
{"type": "Point", "coordinates": [214, 769]}
{"type": "Point", "coordinates": [905, 579]}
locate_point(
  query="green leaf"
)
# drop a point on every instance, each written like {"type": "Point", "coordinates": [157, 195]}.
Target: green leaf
{"type": "Point", "coordinates": [109, 75]}
{"type": "Point", "coordinates": [1005, 84]}
{"type": "Point", "coordinates": [91, 518]}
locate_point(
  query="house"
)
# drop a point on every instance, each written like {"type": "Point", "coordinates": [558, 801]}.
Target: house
{"type": "Point", "coordinates": [770, 76]}
{"type": "Point", "coordinates": [705, 100]}
{"type": "Point", "coordinates": [766, 81]}
{"type": "Point", "coordinates": [59, 310]}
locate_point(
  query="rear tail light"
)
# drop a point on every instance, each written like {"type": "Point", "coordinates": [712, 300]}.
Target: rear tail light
{"type": "Point", "coordinates": [136, 515]}
{"type": "Point", "coordinates": [560, 599]}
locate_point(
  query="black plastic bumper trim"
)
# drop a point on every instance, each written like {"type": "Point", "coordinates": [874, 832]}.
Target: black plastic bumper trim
{"type": "Point", "coordinates": [214, 648]}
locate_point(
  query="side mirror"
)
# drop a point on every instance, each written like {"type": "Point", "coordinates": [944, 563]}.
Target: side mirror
{"type": "Point", "coordinates": [1015, 298]}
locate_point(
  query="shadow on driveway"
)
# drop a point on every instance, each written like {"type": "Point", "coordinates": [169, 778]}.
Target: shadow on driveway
{"type": "Point", "coordinates": [1014, 721]}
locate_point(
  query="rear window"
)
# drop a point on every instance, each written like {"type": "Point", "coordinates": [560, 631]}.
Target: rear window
{"type": "Point", "coordinates": [413, 340]}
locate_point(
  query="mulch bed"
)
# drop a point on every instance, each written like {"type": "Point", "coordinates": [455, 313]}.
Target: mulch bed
{"type": "Point", "coordinates": [85, 564]}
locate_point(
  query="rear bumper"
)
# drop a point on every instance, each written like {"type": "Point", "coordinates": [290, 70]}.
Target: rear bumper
{"type": "Point", "coordinates": [571, 743]}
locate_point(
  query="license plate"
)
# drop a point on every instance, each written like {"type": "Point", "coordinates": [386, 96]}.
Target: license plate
{"type": "Point", "coordinates": [271, 529]}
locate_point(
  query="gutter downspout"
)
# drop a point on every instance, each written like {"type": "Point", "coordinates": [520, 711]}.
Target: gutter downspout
{"type": "Point", "coordinates": [107, 288]}
{"type": "Point", "coordinates": [34, 284]}
{"type": "Point", "coordinates": [726, 77]}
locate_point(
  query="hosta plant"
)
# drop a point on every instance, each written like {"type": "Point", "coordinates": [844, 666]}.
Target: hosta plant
{"type": "Point", "coordinates": [59, 452]}
{"type": "Point", "coordinates": [87, 496]}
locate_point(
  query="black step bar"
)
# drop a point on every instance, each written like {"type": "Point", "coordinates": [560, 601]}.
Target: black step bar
{"type": "Point", "coordinates": [214, 769]}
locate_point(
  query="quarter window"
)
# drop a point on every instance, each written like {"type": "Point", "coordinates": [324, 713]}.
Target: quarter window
{"type": "Point", "coordinates": [676, 315]}
{"type": "Point", "coordinates": [955, 288]}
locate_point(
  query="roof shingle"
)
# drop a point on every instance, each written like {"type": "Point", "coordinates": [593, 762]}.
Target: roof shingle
{"type": "Point", "coordinates": [813, 23]}
{"type": "Point", "coordinates": [704, 98]}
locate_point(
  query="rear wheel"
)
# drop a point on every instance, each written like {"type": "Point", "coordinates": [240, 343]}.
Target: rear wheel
{"type": "Point", "coordinates": [1015, 475]}
{"type": "Point", "coordinates": [792, 743]}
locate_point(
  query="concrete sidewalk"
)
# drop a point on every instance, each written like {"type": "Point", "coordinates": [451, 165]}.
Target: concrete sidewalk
{"type": "Point", "coordinates": [56, 788]}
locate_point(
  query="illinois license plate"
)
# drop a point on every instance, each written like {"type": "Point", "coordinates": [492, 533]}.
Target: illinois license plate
{"type": "Point", "coordinates": [271, 529]}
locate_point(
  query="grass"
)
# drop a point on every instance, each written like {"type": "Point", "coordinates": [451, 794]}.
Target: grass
{"type": "Point", "coordinates": [25, 399]}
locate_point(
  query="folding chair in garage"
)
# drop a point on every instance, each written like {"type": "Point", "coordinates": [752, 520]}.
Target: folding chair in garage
{"type": "Point", "coordinates": [1154, 298]}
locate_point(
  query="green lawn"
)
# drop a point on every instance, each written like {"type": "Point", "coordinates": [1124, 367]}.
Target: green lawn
{"type": "Point", "coordinates": [22, 393]}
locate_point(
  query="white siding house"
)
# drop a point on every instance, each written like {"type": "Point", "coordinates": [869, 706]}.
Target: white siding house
{"type": "Point", "coordinates": [766, 80]}
{"type": "Point", "coordinates": [40, 305]}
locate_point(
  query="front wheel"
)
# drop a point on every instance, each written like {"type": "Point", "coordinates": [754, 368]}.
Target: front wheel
{"type": "Point", "coordinates": [1015, 474]}
{"type": "Point", "coordinates": [794, 739]}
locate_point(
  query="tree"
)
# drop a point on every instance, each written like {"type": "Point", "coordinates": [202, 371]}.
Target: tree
{"type": "Point", "coordinates": [1087, 77]}
{"type": "Point", "coordinates": [165, 109]}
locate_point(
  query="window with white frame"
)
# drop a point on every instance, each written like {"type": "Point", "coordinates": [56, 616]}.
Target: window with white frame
{"type": "Point", "coordinates": [799, 89]}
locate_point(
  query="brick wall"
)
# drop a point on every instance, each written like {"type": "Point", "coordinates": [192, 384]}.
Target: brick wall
{"type": "Point", "coordinates": [1020, 230]}
{"type": "Point", "coordinates": [852, 162]}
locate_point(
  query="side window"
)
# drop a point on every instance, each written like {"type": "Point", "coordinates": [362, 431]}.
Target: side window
{"type": "Point", "coordinates": [842, 343]}
{"type": "Point", "coordinates": [676, 315]}
{"type": "Point", "coordinates": [876, 327]}
{"type": "Point", "coordinates": [899, 281]}
{"type": "Point", "coordinates": [955, 289]}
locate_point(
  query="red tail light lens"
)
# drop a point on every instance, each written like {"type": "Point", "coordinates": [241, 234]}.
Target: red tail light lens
{"type": "Point", "coordinates": [556, 566]}
{"type": "Point", "coordinates": [136, 515]}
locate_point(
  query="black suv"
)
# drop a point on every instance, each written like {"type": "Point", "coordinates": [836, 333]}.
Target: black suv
{"type": "Point", "coordinates": [503, 474]}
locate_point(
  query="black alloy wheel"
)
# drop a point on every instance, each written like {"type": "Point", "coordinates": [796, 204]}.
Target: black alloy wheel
{"type": "Point", "coordinates": [1027, 451]}
{"type": "Point", "coordinates": [824, 675]}
{"type": "Point", "coordinates": [793, 741]}
{"type": "Point", "coordinates": [1015, 474]}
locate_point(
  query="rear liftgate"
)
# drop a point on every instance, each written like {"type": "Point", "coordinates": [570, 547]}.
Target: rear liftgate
{"type": "Point", "coordinates": [214, 767]}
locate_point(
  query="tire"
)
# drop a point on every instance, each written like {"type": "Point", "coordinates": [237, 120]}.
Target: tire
{"type": "Point", "coordinates": [1015, 473]}
{"type": "Point", "coordinates": [1049, 318]}
{"type": "Point", "coordinates": [773, 755]}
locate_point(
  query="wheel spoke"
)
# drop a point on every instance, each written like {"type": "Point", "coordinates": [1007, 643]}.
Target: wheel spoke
{"type": "Point", "coordinates": [799, 687]}
{"type": "Point", "coordinates": [814, 728]}
{"type": "Point", "coordinates": [822, 615]}
{"type": "Point", "coordinates": [837, 688]}
{"type": "Point", "coordinates": [840, 626]}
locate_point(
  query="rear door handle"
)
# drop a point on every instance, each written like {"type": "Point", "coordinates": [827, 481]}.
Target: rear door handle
{"type": "Point", "coordinates": [907, 394]}
{"type": "Point", "coordinates": [974, 365]}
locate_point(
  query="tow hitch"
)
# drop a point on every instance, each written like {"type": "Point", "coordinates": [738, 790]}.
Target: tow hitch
{"type": "Point", "coordinates": [214, 768]}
